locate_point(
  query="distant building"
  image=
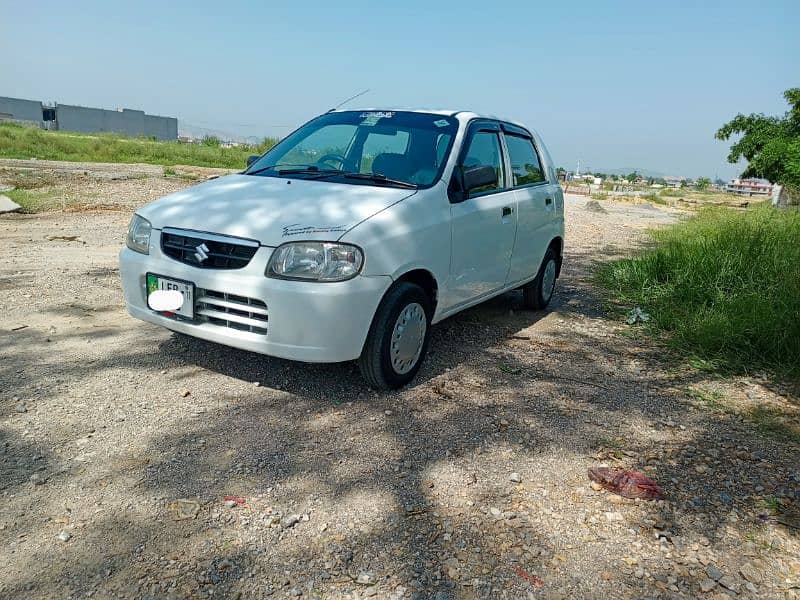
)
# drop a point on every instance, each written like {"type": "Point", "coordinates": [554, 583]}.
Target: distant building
{"type": "Point", "coordinates": [65, 117]}
{"type": "Point", "coordinates": [749, 187]}
{"type": "Point", "coordinates": [674, 182]}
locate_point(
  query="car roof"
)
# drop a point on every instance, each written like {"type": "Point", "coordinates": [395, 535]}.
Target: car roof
{"type": "Point", "coordinates": [461, 115]}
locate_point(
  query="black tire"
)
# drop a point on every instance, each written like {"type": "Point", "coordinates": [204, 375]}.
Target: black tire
{"type": "Point", "coordinates": [534, 296]}
{"type": "Point", "coordinates": [375, 361]}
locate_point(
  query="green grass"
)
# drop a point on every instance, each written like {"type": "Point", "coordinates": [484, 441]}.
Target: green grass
{"type": "Point", "coordinates": [33, 200]}
{"type": "Point", "coordinates": [25, 142]}
{"type": "Point", "coordinates": [724, 285]}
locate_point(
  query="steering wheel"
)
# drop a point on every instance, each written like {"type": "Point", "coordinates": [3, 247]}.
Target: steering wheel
{"type": "Point", "coordinates": [327, 157]}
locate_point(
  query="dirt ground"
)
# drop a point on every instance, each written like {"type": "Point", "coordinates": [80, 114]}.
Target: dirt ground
{"type": "Point", "coordinates": [120, 442]}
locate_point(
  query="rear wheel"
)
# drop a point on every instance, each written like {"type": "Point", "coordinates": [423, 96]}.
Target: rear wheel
{"type": "Point", "coordinates": [398, 338]}
{"type": "Point", "coordinates": [536, 295]}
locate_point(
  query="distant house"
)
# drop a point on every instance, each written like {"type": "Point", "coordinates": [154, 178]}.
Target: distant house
{"type": "Point", "coordinates": [749, 187]}
{"type": "Point", "coordinates": [674, 182]}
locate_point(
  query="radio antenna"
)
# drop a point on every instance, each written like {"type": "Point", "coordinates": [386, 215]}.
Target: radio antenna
{"type": "Point", "coordinates": [348, 100]}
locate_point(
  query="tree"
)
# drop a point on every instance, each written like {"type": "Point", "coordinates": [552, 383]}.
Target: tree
{"type": "Point", "coordinates": [702, 183]}
{"type": "Point", "coordinates": [771, 145]}
{"type": "Point", "coordinates": [632, 177]}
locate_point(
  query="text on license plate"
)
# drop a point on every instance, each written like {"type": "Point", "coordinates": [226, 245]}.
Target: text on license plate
{"type": "Point", "coordinates": [156, 282]}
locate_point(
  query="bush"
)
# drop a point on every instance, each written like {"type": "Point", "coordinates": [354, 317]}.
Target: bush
{"type": "Point", "coordinates": [725, 285]}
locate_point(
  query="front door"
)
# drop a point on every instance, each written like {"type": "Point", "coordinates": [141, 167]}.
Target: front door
{"type": "Point", "coordinates": [483, 222]}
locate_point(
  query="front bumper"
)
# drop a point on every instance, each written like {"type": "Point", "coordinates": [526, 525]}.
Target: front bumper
{"type": "Point", "coordinates": [309, 322]}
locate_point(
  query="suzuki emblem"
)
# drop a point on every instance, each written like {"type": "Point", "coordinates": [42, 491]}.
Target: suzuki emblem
{"type": "Point", "coordinates": [201, 253]}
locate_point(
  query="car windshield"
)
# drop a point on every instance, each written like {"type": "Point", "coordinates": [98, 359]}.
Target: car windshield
{"type": "Point", "coordinates": [394, 148]}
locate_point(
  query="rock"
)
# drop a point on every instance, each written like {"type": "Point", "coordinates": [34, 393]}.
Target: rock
{"type": "Point", "coordinates": [595, 486]}
{"type": "Point", "coordinates": [366, 578]}
{"type": "Point", "coordinates": [37, 479]}
{"type": "Point", "coordinates": [707, 585]}
{"type": "Point", "coordinates": [7, 205]}
{"type": "Point", "coordinates": [290, 521]}
{"type": "Point", "coordinates": [728, 583]}
{"type": "Point", "coordinates": [496, 512]}
{"type": "Point", "coordinates": [515, 477]}
{"type": "Point", "coordinates": [21, 408]}
{"type": "Point", "coordinates": [614, 516]}
{"type": "Point", "coordinates": [64, 535]}
{"type": "Point", "coordinates": [750, 573]}
{"type": "Point", "coordinates": [725, 498]}
{"type": "Point", "coordinates": [713, 572]}
{"type": "Point", "coordinates": [231, 503]}
{"type": "Point", "coordinates": [701, 468]}
{"type": "Point", "coordinates": [638, 573]}
{"type": "Point", "coordinates": [594, 206]}
{"type": "Point", "coordinates": [185, 393]}
{"type": "Point", "coordinates": [295, 592]}
{"type": "Point", "coordinates": [184, 509]}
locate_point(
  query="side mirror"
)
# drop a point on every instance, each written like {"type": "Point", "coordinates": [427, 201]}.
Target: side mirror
{"type": "Point", "coordinates": [251, 159]}
{"type": "Point", "coordinates": [478, 177]}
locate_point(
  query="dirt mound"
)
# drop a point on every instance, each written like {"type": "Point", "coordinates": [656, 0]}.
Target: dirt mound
{"type": "Point", "coordinates": [595, 207]}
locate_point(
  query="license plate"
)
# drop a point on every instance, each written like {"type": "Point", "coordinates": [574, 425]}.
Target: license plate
{"type": "Point", "coordinates": [156, 282]}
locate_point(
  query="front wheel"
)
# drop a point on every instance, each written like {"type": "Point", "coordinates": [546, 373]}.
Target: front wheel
{"type": "Point", "coordinates": [536, 295]}
{"type": "Point", "coordinates": [398, 338]}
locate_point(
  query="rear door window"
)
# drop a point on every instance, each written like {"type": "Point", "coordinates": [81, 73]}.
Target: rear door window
{"type": "Point", "coordinates": [526, 168]}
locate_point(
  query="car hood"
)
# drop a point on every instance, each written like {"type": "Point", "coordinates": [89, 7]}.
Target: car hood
{"type": "Point", "coordinates": [271, 210]}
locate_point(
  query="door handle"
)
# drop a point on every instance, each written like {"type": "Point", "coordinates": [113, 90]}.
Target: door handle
{"type": "Point", "coordinates": [548, 201]}
{"type": "Point", "coordinates": [507, 210]}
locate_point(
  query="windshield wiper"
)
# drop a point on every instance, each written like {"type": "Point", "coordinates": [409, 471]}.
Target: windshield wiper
{"type": "Point", "coordinates": [378, 178]}
{"type": "Point", "coordinates": [298, 170]}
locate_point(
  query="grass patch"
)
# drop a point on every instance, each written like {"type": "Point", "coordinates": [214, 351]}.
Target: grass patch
{"type": "Point", "coordinates": [26, 142]}
{"type": "Point", "coordinates": [775, 423]}
{"type": "Point", "coordinates": [33, 200]}
{"type": "Point", "coordinates": [724, 285]}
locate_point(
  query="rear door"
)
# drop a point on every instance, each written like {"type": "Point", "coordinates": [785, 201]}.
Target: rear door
{"type": "Point", "coordinates": [483, 223]}
{"type": "Point", "coordinates": [535, 203]}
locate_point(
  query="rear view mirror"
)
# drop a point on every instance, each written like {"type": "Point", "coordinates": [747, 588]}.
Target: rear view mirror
{"type": "Point", "coordinates": [251, 159]}
{"type": "Point", "coordinates": [478, 177]}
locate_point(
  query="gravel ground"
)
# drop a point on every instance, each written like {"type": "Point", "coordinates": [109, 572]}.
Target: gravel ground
{"type": "Point", "coordinates": [120, 442]}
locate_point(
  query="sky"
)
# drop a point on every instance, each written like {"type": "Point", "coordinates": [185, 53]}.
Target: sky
{"type": "Point", "coordinates": [612, 84]}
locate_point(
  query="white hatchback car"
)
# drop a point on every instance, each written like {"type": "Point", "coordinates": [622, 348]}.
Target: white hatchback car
{"type": "Point", "coordinates": [351, 237]}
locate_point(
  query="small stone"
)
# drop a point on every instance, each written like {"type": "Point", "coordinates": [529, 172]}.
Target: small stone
{"type": "Point", "coordinates": [64, 535]}
{"type": "Point", "coordinates": [713, 572]}
{"type": "Point", "coordinates": [725, 498]}
{"type": "Point", "coordinates": [638, 573]}
{"type": "Point", "coordinates": [614, 516]}
{"type": "Point", "coordinates": [185, 393]}
{"type": "Point", "coordinates": [701, 468]}
{"type": "Point", "coordinates": [595, 486]}
{"type": "Point", "coordinates": [231, 504]}
{"type": "Point", "coordinates": [37, 479]}
{"type": "Point", "coordinates": [290, 521]}
{"type": "Point", "coordinates": [365, 578]}
{"type": "Point", "coordinates": [295, 592]}
{"type": "Point", "coordinates": [388, 413]}
{"type": "Point", "coordinates": [496, 512]}
{"type": "Point", "coordinates": [323, 527]}
{"type": "Point", "coordinates": [515, 477]}
{"type": "Point", "coordinates": [750, 573]}
{"type": "Point", "coordinates": [707, 585]}
{"type": "Point", "coordinates": [728, 583]}
{"type": "Point", "coordinates": [21, 408]}
{"type": "Point", "coordinates": [256, 383]}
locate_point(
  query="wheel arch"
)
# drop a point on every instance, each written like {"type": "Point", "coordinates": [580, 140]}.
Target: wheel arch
{"type": "Point", "coordinates": [557, 244]}
{"type": "Point", "coordinates": [424, 279]}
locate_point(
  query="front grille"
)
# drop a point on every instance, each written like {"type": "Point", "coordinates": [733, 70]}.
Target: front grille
{"type": "Point", "coordinates": [207, 250]}
{"type": "Point", "coordinates": [231, 310]}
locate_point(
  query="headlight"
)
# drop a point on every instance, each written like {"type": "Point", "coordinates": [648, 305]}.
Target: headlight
{"type": "Point", "coordinates": [139, 234]}
{"type": "Point", "coordinates": [315, 261]}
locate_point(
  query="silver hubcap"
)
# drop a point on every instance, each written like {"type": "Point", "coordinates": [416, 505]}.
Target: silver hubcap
{"type": "Point", "coordinates": [548, 279]}
{"type": "Point", "coordinates": [407, 338]}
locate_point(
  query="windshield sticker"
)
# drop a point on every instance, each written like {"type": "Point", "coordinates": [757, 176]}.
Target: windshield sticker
{"type": "Point", "coordinates": [442, 123]}
{"type": "Point", "coordinates": [298, 229]}
{"type": "Point", "coordinates": [371, 118]}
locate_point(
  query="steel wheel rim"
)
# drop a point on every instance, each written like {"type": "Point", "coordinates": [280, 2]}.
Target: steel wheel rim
{"type": "Point", "coordinates": [548, 279]}
{"type": "Point", "coordinates": [408, 336]}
